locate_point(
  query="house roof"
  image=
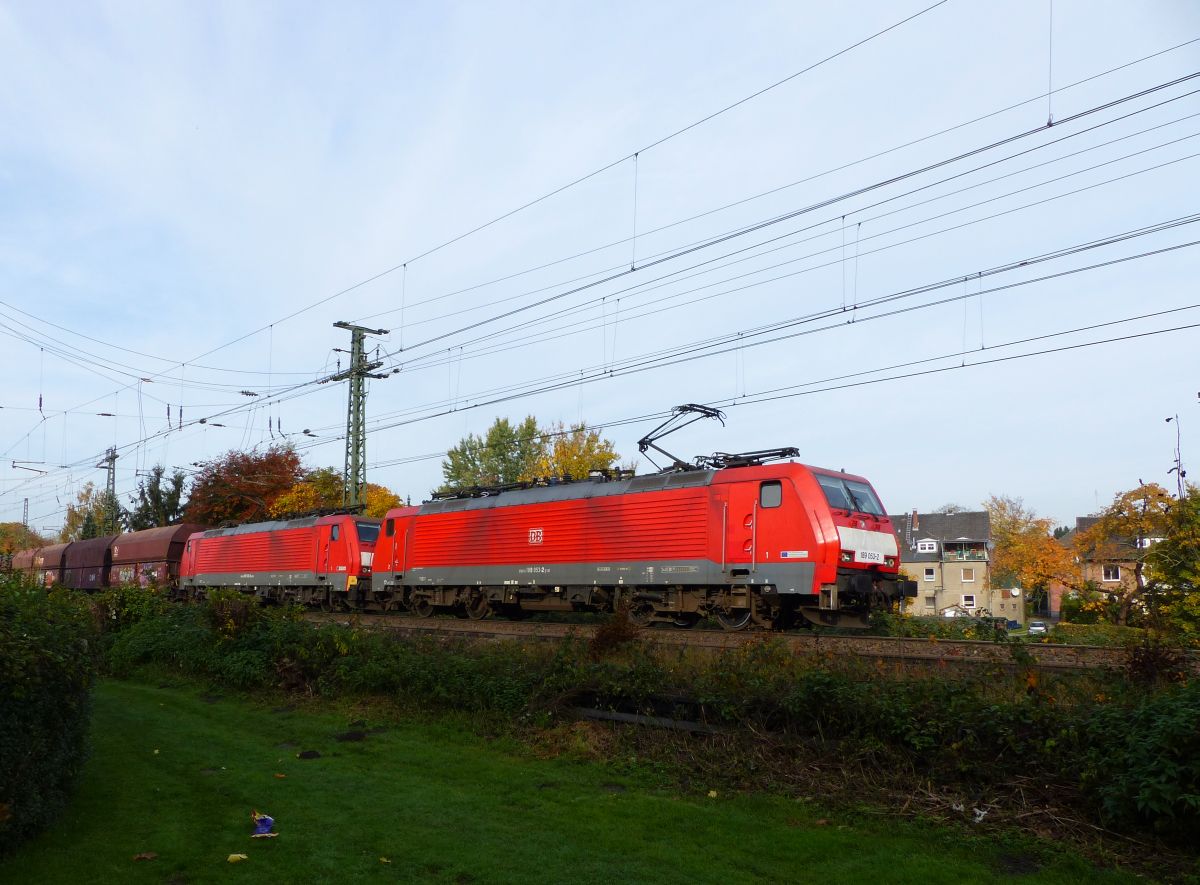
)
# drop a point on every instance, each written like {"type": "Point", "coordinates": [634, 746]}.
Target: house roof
{"type": "Point", "coordinates": [971, 525]}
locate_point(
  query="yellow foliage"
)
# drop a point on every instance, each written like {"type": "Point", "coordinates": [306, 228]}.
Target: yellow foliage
{"type": "Point", "coordinates": [574, 453]}
{"type": "Point", "coordinates": [300, 498]}
{"type": "Point", "coordinates": [1025, 548]}
{"type": "Point", "coordinates": [379, 500]}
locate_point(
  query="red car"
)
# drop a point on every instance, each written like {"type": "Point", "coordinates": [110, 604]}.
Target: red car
{"type": "Point", "coordinates": [748, 544]}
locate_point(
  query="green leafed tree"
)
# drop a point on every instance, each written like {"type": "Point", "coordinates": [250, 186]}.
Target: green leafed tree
{"type": "Point", "coordinates": [1174, 563]}
{"type": "Point", "coordinates": [507, 453]}
{"type": "Point", "coordinates": [510, 453]}
{"type": "Point", "coordinates": [159, 500]}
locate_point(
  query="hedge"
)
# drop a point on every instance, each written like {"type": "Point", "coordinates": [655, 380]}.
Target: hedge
{"type": "Point", "coordinates": [46, 673]}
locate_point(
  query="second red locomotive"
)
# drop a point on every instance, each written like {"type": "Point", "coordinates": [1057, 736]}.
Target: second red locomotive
{"type": "Point", "coordinates": [317, 560]}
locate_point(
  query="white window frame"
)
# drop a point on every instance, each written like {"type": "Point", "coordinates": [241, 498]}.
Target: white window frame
{"type": "Point", "coordinates": [930, 574]}
{"type": "Point", "coordinates": [965, 579]}
{"type": "Point", "coordinates": [1105, 577]}
{"type": "Point", "coordinates": [965, 597]}
{"type": "Point", "coordinates": [927, 546]}
{"type": "Point", "coordinates": [931, 601]}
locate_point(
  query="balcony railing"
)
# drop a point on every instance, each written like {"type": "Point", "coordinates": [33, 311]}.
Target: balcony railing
{"type": "Point", "coordinates": [964, 556]}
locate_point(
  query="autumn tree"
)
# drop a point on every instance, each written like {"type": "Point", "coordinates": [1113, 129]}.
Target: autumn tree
{"type": "Point", "coordinates": [1125, 532]}
{"type": "Point", "coordinates": [504, 455]}
{"type": "Point", "coordinates": [16, 536]}
{"type": "Point", "coordinates": [379, 500]}
{"type": "Point", "coordinates": [321, 489]}
{"type": "Point", "coordinates": [1025, 552]}
{"type": "Point", "coordinates": [1174, 563]}
{"type": "Point", "coordinates": [574, 452]}
{"type": "Point", "coordinates": [91, 515]}
{"type": "Point", "coordinates": [242, 486]}
{"type": "Point", "coordinates": [159, 500]}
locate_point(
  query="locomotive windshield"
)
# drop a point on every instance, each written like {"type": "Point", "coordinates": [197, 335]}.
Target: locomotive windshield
{"type": "Point", "coordinates": [849, 494]}
{"type": "Point", "coordinates": [368, 532]}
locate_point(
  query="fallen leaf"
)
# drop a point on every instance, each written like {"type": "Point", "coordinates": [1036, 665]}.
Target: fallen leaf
{"type": "Point", "coordinates": [280, 776]}
{"type": "Point", "coordinates": [156, 752]}
{"type": "Point", "coordinates": [384, 860]}
{"type": "Point", "coordinates": [145, 855]}
{"type": "Point", "coordinates": [238, 858]}
{"type": "Point", "coordinates": [712, 794]}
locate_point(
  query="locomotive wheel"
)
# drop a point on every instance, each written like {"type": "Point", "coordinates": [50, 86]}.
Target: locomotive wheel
{"type": "Point", "coordinates": [641, 614]}
{"type": "Point", "coordinates": [686, 620]}
{"type": "Point", "coordinates": [478, 606]}
{"type": "Point", "coordinates": [422, 607]}
{"type": "Point", "coordinates": [733, 619]}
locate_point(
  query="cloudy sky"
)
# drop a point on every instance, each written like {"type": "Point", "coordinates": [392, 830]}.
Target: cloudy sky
{"type": "Point", "coordinates": [192, 194]}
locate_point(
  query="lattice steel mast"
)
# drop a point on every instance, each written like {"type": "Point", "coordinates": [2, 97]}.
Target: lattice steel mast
{"type": "Point", "coordinates": [354, 479]}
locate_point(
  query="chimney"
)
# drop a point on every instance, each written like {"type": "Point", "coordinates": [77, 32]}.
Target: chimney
{"type": "Point", "coordinates": [916, 522]}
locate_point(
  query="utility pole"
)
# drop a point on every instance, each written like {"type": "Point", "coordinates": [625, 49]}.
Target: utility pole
{"type": "Point", "coordinates": [110, 504]}
{"type": "Point", "coordinates": [354, 479]}
{"type": "Point", "coordinates": [1178, 470]}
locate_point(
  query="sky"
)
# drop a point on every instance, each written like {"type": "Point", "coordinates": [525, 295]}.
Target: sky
{"type": "Point", "coordinates": [192, 194]}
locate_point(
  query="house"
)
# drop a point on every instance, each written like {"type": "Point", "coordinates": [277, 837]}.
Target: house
{"type": "Point", "coordinates": [949, 556]}
{"type": "Point", "coordinates": [1110, 567]}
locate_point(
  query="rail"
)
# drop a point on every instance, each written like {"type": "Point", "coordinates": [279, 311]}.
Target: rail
{"type": "Point", "coordinates": [961, 651]}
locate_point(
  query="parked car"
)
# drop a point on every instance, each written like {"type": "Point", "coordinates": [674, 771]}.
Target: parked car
{"type": "Point", "coordinates": [1038, 628]}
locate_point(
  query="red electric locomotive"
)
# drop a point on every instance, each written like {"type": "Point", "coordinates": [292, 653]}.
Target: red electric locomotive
{"type": "Point", "coordinates": [745, 542]}
{"type": "Point", "coordinates": [322, 560]}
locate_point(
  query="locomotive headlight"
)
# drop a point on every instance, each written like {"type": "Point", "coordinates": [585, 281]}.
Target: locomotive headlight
{"type": "Point", "coordinates": [889, 561]}
{"type": "Point", "coordinates": [847, 556]}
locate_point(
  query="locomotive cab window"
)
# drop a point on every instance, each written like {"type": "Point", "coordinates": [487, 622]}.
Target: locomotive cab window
{"type": "Point", "coordinates": [389, 527]}
{"type": "Point", "coordinates": [770, 494]}
{"type": "Point", "coordinates": [333, 533]}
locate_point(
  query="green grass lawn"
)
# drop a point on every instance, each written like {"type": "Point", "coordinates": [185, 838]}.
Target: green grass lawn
{"type": "Point", "coordinates": [177, 773]}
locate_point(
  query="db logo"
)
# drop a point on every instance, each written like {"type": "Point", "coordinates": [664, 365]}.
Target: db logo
{"type": "Point", "coordinates": [535, 536]}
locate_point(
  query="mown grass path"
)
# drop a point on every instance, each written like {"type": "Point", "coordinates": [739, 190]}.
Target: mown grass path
{"type": "Point", "coordinates": [177, 773]}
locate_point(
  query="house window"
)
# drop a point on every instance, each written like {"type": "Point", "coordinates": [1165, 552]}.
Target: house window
{"type": "Point", "coordinates": [927, 546]}
{"type": "Point", "coordinates": [929, 573]}
{"type": "Point", "coordinates": [931, 602]}
{"type": "Point", "coordinates": [968, 576]}
{"type": "Point", "coordinates": [1112, 573]}
{"type": "Point", "coordinates": [968, 600]}
{"type": "Point", "coordinates": [770, 494]}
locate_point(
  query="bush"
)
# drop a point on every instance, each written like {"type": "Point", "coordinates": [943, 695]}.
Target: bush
{"type": "Point", "coordinates": [46, 672]}
{"type": "Point", "coordinates": [1094, 634]}
{"type": "Point", "coordinates": [925, 627]}
{"type": "Point", "coordinates": [1142, 765]}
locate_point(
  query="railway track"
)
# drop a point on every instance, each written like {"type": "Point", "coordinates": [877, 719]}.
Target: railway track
{"type": "Point", "coordinates": [933, 651]}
